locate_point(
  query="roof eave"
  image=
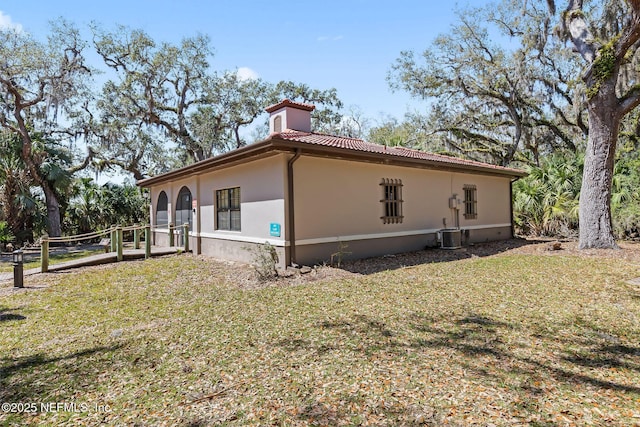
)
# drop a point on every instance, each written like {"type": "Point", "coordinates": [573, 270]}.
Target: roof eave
{"type": "Point", "coordinates": [274, 143]}
{"type": "Point", "coordinates": [387, 158]}
{"type": "Point", "coordinates": [226, 158]}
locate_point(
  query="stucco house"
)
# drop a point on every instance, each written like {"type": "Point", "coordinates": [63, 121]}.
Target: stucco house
{"type": "Point", "coordinates": [308, 193]}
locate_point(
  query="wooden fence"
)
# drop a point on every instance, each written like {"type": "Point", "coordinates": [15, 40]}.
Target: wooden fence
{"type": "Point", "coordinates": [113, 241]}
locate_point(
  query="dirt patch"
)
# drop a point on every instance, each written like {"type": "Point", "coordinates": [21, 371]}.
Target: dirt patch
{"type": "Point", "coordinates": [628, 250]}
{"type": "Point", "coordinates": [245, 277]}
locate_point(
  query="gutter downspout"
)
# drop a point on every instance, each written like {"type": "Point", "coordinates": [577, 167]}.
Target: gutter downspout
{"type": "Point", "coordinates": [291, 223]}
{"type": "Point", "coordinates": [513, 226]}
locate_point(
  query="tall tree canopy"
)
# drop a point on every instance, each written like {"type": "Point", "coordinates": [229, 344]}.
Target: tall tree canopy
{"type": "Point", "coordinates": [500, 89]}
{"type": "Point", "coordinates": [157, 87]}
{"type": "Point", "coordinates": [43, 89]}
{"type": "Point", "coordinates": [162, 106]}
{"type": "Point", "coordinates": [165, 93]}
{"type": "Point", "coordinates": [230, 103]}
{"type": "Point", "coordinates": [504, 87]}
{"type": "Point", "coordinates": [326, 117]}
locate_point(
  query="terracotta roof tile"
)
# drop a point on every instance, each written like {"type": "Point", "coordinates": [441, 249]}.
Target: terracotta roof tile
{"type": "Point", "coordinates": [289, 103]}
{"type": "Point", "coordinates": [350, 145]}
{"type": "Point", "coordinates": [360, 145]}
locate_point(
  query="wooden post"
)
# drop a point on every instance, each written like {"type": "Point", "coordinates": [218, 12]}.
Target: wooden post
{"type": "Point", "coordinates": [136, 237]}
{"type": "Point", "coordinates": [186, 236]}
{"type": "Point", "coordinates": [147, 242]}
{"type": "Point", "coordinates": [120, 243]}
{"type": "Point", "coordinates": [113, 239]}
{"type": "Point", "coordinates": [44, 255]}
{"type": "Point", "coordinates": [171, 236]}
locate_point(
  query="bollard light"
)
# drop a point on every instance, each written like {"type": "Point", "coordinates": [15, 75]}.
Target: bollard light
{"type": "Point", "coordinates": [18, 261]}
{"type": "Point", "coordinates": [18, 256]}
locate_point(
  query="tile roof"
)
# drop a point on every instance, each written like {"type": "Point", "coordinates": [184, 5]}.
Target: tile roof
{"type": "Point", "coordinates": [368, 147]}
{"type": "Point", "coordinates": [289, 103]}
{"type": "Point", "coordinates": [331, 145]}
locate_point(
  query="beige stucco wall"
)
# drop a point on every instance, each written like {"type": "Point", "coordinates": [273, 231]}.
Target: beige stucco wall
{"type": "Point", "coordinates": [337, 200]}
{"type": "Point", "coordinates": [262, 193]}
{"type": "Point", "coordinates": [292, 118]}
{"type": "Point", "coordinates": [262, 202]}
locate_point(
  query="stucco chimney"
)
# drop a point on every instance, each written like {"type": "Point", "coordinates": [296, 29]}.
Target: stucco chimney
{"type": "Point", "coordinates": [290, 115]}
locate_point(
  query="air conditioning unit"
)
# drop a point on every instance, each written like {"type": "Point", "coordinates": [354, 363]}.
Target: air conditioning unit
{"type": "Point", "coordinates": [450, 238]}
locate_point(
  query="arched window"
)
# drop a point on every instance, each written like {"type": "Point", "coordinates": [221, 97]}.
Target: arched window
{"type": "Point", "coordinates": [183, 208]}
{"type": "Point", "coordinates": [162, 215]}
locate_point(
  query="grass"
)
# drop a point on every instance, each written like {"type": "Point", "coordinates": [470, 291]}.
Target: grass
{"type": "Point", "coordinates": [503, 340]}
{"type": "Point", "coordinates": [7, 266]}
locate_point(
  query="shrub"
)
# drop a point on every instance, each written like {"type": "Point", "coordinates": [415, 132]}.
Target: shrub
{"type": "Point", "coordinates": [6, 235]}
{"type": "Point", "coordinates": [546, 201]}
{"type": "Point", "coordinates": [626, 221]}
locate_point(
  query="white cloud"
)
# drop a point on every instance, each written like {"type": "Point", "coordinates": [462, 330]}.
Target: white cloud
{"type": "Point", "coordinates": [6, 23]}
{"type": "Point", "coordinates": [330, 38]}
{"type": "Point", "coordinates": [246, 73]}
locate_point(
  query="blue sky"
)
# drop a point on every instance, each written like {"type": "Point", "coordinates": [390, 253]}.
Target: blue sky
{"type": "Point", "coordinates": [346, 44]}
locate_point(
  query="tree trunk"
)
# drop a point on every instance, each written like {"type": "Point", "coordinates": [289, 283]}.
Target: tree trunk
{"type": "Point", "coordinates": [53, 211]}
{"type": "Point", "coordinates": [596, 230]}
{"type": "Point", "coordinates": [53, 207]}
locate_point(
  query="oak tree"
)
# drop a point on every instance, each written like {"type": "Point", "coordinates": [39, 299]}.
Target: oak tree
{"type": "Point", "coordinates": [498, 89]}
{"type": "Point", "coordinates": [43, 86]}
{"type": "Point", "coordinates": [156, 86]}
{"type": "Point", "coordinates": [167, 99]}
{"type": "Point", "coordinates": [607, 37]}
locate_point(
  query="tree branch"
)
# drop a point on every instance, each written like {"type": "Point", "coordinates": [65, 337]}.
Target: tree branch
{"type": "Point", "coordinates": [630, 36]}
{"type": "Point", "coordinates": [84, 164]}
{"type": "Point", "coordinates": [630, 100]}
{"type": "Point", "coordinates": [578, 30]}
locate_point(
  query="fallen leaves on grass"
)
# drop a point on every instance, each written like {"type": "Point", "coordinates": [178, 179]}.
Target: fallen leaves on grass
{"type": "Point", "coordinates": [500, 337]}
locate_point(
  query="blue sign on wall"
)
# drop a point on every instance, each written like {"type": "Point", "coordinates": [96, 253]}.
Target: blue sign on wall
{"type": "Point", "coordinates": [274, 229]}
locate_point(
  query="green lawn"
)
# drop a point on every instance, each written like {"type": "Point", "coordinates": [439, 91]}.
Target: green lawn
{"type": "Point", "coordinates": [505, 340]}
